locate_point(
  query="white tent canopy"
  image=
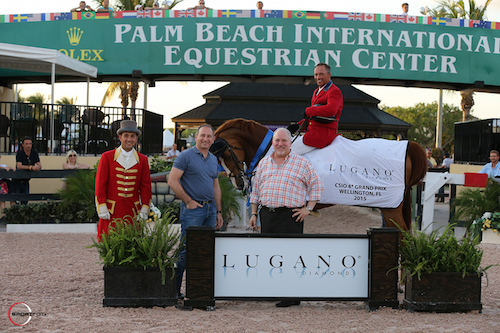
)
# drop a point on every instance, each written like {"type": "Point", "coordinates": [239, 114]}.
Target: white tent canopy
{"type": "Point", "coordinates": [168, 139]}
{"type": "Point", "coordinates": [37, 59]}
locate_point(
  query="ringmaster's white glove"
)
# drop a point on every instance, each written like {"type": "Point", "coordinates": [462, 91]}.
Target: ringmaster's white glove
{"type": "Point", "coordinates": [105, 216]}
{"type": "Point", "coordinates": [143, 214]}
{"type": "Point", "coordinates": [103, 212]}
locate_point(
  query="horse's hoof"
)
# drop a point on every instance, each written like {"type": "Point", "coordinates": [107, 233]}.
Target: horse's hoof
{"type": "Point", "coordinates": [315, 213]}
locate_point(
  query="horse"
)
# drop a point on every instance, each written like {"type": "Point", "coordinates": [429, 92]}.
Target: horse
{"type": "Point", "coordinates": [239, 147]}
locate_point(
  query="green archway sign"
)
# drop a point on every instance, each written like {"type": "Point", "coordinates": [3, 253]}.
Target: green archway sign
{"type": "Point", "coordinates": [167, 45]}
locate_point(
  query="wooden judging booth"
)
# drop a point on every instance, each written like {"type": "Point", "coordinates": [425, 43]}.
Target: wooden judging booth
{"type": "Point", "coordinates": [307, 267]}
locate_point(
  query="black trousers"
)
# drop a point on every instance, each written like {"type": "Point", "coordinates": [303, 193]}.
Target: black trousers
{"type": "Point", "coordinates": [20, 187]}
{"type": "Point", "coordinates": [280, 221]}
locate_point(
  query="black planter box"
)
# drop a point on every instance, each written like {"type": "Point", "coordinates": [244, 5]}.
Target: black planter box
{"type": "Point", "coordinates": [138, 287]}
{"type": "Point", "coordinates": [443, 292]}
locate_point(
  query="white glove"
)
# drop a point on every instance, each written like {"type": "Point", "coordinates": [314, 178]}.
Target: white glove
{"type": "Point", "coordinates": [103, 212]}
{"type": "Point", "coordinates": [105, 216]}
{"type": "Point", "coordinates": [143, 214]}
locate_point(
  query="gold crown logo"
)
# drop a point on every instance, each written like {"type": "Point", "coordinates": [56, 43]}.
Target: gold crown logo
{"type": "Point", "coordinates": [74, 35]}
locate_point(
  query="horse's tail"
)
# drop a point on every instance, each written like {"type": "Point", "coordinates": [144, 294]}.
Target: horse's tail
{"type": "Point", "coordinates": [418, 163]}
{"type": "Point", "coordinates": [418, 170]}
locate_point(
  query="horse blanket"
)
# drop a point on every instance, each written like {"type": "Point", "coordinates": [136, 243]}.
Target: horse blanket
{"type": "Point", "coordinates": [368, 172]}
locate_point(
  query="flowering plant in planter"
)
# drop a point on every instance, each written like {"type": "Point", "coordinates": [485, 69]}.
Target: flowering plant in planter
{"type": "Point", "coordinates": [485, 222]}
{"type": "Point", "coordinates": [135, 243]}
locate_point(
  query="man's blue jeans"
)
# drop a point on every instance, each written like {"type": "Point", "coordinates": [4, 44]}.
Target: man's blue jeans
{"type": "Point", "coordinates": [201, 216]}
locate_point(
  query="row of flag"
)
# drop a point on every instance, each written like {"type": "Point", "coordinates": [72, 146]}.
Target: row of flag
{"type": "Point", "coordinates": [295, 14]}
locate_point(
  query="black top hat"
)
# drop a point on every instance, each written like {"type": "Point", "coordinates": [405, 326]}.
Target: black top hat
{"type": "Point", "coordinates": [128, 126]}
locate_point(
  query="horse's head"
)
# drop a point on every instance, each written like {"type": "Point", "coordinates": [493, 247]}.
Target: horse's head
{"type": "Point", "coordinates": [236, 144]}
{"type": "Point", "coordinates": [231, 157]}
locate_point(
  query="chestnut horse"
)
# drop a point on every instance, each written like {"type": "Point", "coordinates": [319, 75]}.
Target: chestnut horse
{"type": "Point", "coordinates": [238, 140]}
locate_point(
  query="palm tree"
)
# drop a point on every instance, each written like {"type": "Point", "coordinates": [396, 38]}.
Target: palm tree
{"type": "Point", "coordinates": [129, 90]}
{"type": "Point", "coordinates": [458, 9]}
{"type": "Point", "coordinates": [124, 88]}
{"type": "Point", "coordinates": [67, 100]}
{"type": "Point", "coordinates": [38, 99]}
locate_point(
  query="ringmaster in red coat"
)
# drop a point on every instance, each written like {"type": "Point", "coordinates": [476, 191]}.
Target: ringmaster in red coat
{"type": "Point", "coordinates": [327, 102]}
{"type": "Point", "coordinates": [123, 182]}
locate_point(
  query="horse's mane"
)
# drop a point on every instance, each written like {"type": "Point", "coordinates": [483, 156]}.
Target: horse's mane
{"type": "Point", "coordinates": [244, 125]}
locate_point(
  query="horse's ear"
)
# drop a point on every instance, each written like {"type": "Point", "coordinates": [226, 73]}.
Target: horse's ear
{"type": "Point", "coordinates": [218, 147]}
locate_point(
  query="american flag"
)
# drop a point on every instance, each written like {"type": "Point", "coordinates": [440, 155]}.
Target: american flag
{"type": "Point", "coordinates": [355, 17]}
{"type": "Point", "coordinates": [38, 17]}
{"type": "Point", "coordinates": [185, 13]}
{"type": "Point", "coordinates": [244, 13]}
{"type": "Point", "coordinates": [452, 22]}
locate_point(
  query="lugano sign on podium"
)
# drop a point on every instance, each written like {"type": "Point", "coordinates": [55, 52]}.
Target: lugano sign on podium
{"type": "Point", "coordinates": [224, 266]}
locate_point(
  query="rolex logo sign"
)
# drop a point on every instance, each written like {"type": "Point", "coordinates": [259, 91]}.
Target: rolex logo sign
{"type": "Point", "coordinates": [82, 54]}
{"type": "Point", "coordinates": [74, 35]}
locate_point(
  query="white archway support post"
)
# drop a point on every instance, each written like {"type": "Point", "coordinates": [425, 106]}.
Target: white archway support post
{"type": "Point", "coordinates": [433, 182]}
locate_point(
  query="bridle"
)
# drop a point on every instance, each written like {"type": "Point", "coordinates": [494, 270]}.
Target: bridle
{"type": "Point", "coordinates": [219, 147]}
{"type": "Point", "coordinates": [245, 172]}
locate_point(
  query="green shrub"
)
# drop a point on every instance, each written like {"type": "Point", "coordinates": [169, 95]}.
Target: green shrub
{"type": "Point", "coordinates": [229, 200]}
{"type": "Point", "coordinates": [77, 203]}
{"type": "Point", "coordinates": [50, 211]}
{"type": "Point", "coordinates": [135, 244]}
{"type": "Point", "coordinates": [174, 207]}
{"type": "Point", "coordinates": [160, 165]}
{"type": "Point", "coordinates": [80, 192]}
{"type": "Point", "coordinates": [471, 203]}
{"type": "Point", "coordinates": [427, 253]}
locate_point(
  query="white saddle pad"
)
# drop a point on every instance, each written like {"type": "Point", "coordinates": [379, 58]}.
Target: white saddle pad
{"type": "Point", "coordinates": [368, 172]}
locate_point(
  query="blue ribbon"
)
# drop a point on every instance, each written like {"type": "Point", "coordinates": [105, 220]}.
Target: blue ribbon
{"type": "Point", "coordinates": [260, 151]}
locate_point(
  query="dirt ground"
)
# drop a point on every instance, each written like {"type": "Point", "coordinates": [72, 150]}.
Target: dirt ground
{"type": "Point", "coordinates": [62, 281]}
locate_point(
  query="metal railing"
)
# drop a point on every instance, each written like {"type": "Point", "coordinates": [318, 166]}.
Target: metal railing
{"type": "Point", "coordinates": [57, 128]}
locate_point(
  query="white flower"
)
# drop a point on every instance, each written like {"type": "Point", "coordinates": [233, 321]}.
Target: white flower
{"type": "Point", "coordinates": [486, 215]}
{"type": "Point", "coordinates": [155, 210]}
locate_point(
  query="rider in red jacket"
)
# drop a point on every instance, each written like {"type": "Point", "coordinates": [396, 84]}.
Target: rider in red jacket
{"type": "Point", "coordinates": [326, 104]}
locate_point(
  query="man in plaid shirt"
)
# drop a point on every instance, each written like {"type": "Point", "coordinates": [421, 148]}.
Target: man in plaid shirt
{"type": "Point", "coordinates": [280, 186]}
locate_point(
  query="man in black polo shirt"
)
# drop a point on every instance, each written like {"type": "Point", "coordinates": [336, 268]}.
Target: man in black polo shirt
{"type": "Point", "coordinates": [26, 159]}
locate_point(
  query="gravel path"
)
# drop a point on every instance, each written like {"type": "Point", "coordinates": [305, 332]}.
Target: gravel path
{"type": "Point", "coordinates": [55, 275]}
